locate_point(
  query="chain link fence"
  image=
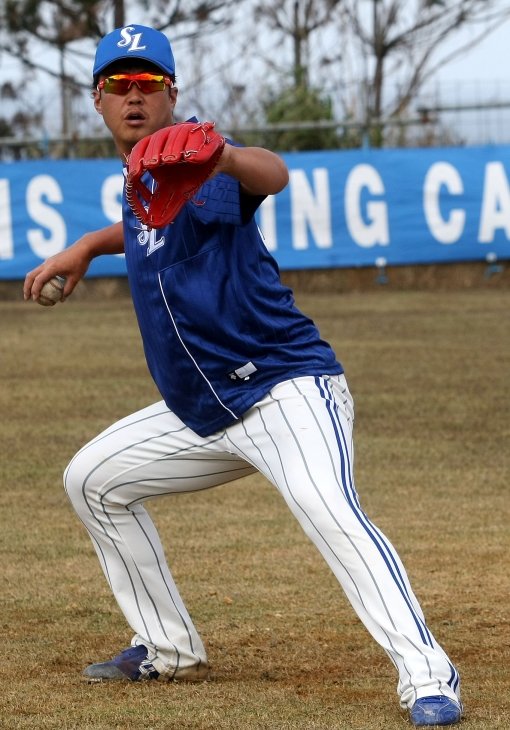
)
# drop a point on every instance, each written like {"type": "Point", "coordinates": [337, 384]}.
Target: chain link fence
{"type": "Point", "coordinates": [443, 116]}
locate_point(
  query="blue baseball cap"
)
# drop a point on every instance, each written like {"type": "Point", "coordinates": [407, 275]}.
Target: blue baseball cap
{"type": "Point", "coordinates": [135, 41]}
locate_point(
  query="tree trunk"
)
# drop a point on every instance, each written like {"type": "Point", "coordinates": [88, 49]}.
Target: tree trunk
{"type": "Point", "coordinates": [119, 14]}
{"type": "Point", "coordinates": [64, 99]}
{"type": "Point", "coordinates": [298, 61]}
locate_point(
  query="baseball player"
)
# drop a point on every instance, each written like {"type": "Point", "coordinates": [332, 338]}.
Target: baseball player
{"type": "Point", "coordinates": [246, 383]}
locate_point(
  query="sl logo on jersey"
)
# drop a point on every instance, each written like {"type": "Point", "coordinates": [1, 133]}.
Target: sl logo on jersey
{"type": "Point", "coordinates": [148, 238]}
{"type": "Point", "coordinates": [131, 41]}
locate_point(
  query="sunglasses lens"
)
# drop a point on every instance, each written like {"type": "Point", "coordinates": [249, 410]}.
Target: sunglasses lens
{"type": "Point", "coordinates": [147, 83]}
{"type": "Point", "coordinates": [149, 87]}
{"type": "Point", "coordinates": [116, 86]}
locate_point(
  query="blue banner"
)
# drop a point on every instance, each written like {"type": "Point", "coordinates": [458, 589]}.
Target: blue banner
{"type": "Point", "coordinates": [340, 209]}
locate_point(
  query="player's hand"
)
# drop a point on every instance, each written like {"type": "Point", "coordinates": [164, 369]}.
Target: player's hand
{"type": "Point", "coordinates": [72, 263]}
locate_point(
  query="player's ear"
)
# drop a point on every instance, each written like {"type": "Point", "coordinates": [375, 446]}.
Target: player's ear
{"type": "Point", "coordinates": [96, 96]}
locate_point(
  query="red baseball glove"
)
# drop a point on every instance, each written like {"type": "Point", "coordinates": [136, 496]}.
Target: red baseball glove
{"type": "Point", "coordinates": [180, 158]}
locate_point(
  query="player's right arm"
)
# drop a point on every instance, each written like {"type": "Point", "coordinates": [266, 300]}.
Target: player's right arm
{"type": "Point", "coordinates": [74, 261]}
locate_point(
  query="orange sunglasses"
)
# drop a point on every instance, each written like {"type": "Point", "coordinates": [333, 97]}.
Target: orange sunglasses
{"type": "Point", "coordinates": [121, 83]}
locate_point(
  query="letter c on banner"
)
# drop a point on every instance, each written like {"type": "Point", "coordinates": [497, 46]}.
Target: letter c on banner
{"type": "Point", "coordinates": [443, 174]}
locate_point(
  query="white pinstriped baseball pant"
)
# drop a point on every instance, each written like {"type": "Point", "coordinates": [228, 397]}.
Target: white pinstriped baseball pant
{"type": "Point", "coordinates": [300, 437]}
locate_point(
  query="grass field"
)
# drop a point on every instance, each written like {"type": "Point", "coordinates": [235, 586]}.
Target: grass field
{"type": "Point", "coordinates": [429, 372]}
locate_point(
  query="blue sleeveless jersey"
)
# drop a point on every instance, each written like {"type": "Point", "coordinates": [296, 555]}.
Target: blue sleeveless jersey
{"type": "Point", "coordinates": [219, 329]}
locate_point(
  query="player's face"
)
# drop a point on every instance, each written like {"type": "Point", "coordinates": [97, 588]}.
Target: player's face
{"type": "Point", "coordinates": [134, 115]}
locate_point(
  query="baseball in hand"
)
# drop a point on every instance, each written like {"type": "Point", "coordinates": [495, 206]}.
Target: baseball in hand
{"type": "Point", "coordinates": [51, 293]}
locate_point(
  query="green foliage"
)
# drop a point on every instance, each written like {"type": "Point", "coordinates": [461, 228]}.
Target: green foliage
{"type": "Point", "coordinates": [297, 104]}
{"type": "Point", "coordinates": [304, 119]}
{"type": "Point", "coordinates": [5, 128]}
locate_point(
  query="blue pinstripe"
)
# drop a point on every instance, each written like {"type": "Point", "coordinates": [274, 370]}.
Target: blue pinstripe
{"type": "Point", "coordinates": [352, 498]}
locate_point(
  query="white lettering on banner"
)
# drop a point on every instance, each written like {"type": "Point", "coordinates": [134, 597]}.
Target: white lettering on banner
{"type": "Point", "coordinates": [6, 242]}
{"type": "Point", "coordinates": [39, 188]}
{"type": "Point", "coordinates": [495, 211]}
{"type": "Point", "coordinates": [268, 222]}
{"type": "Point", "coordinates": [443, 174]}
{"type": "Point", "coordinates": [309, 211]}
{"type": "Point", "coordinates": [377, 231]}
{"type": "Point", "coordinates": [111, 197]}
{"type": "Point", "coordinates": [111, 201]}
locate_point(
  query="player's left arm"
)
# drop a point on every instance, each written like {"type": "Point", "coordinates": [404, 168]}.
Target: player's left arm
{"type": "Point", "coordinates": [260, 171]}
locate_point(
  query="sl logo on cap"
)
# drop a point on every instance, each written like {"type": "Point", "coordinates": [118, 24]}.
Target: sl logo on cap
{"type": "Point", "coordinates": [132, 41]}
